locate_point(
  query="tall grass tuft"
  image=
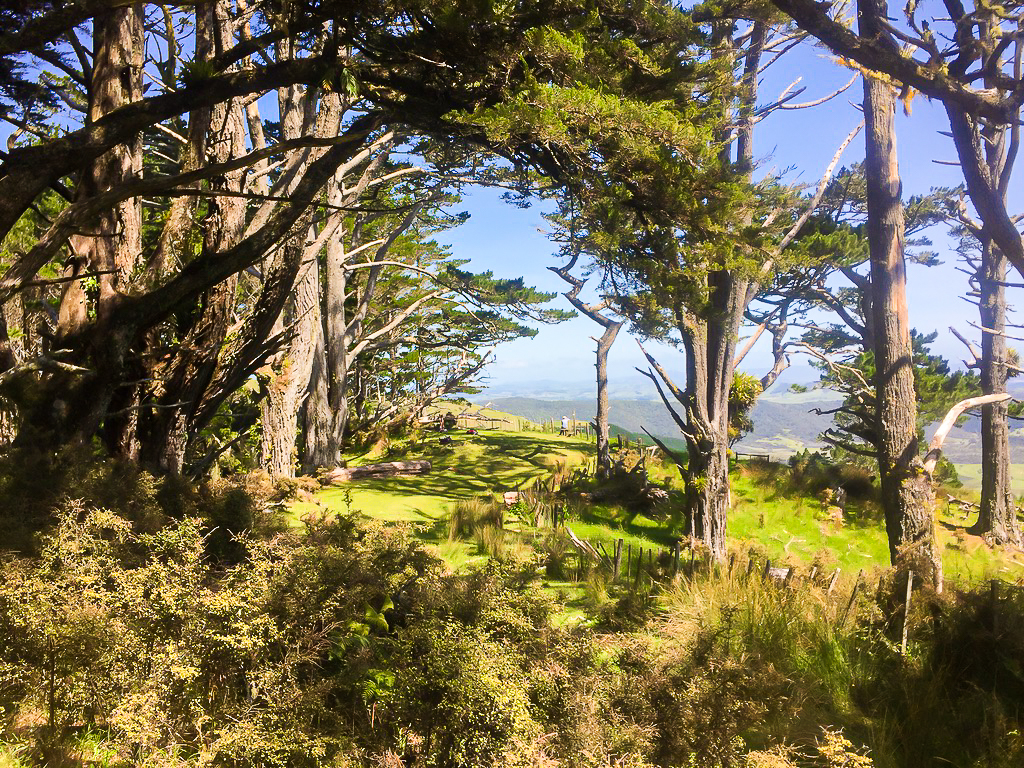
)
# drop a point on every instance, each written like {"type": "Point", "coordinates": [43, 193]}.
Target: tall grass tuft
{"type": "Point", "coordinates": [793, 630]}
{"type": "Point", "coordinates": [471, 514]}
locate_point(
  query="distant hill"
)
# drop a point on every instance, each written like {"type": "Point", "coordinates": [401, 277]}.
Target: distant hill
{"type": "Point", "coordinates": [783, 424]}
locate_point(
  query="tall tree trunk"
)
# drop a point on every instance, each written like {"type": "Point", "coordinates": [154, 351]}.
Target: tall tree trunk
{"type": "Point", "coordinates": [290, 372]}
{"type": "Point", "coordinates": [710, 350]}
{"type": "Point", "coordinates": [116, 80]}
{"type": "Point", "coordinates": [997, 520]}
{"type": "Point", "coordinates": [328, 407]}
{"type": "Point", "coordinates": [186, 378]}
{"type": "Point", "coordinates": [316, 413]}
{"type": "Point", "coordinates": [907, 494]}
{"type": "Point", "coordinates": [604, 345]}
{"type": "Point", "coordinates": [114, 247]}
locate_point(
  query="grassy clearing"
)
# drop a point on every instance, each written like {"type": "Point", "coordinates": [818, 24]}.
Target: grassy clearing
{"type": "Point", "coordinates": [797, 529]}
{"type": "Point", "coordinates": [788, 528]}
{"type": "Point", "coordinates": [471, 467]}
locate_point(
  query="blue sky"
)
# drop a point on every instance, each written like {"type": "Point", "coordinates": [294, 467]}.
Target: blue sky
{"type": "Point", "coordinates": [800, 143]}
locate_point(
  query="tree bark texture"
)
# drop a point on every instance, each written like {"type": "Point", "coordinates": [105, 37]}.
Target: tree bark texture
{"type": "Point", "coordinates": [710, 350]}
{"type": "Point", "coordinates": [327, 426]}
{"type": "Point", "coordinates": [115, 244]}
{"type": "Point", "coordinates": [186, 378]}
{"type": "Point", "coordinates": [289, 374]}
{"type": "Point", "coordinates": [111, 249]}
{"type": "Point", "coordinates": [997, 520]}
{"type": "Point", "coordinates": [604, 345]}
{"type": "Point", "coordinates": [907, 495]}
{"type": "Point", "coordinates": [291, 371]}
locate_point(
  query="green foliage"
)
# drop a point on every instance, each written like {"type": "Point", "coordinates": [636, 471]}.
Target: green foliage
{"type": "Point", "coordinates": [937, 388]}
{"type": "Point", "coordinates": [945, 474]}
{"type": "Point", "coordinates": [460, 695]}
{"type": "Point", "coordinates": [176, 658]}
{"type": "Point", "coordinates": [742, 396]}
{"type": "Point", "coordinates": [812, 473]}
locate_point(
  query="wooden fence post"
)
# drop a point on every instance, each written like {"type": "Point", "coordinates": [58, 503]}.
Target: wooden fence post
{"type": "Point", "coordinates": [906, 613]}
{"type": "Point", "coordinates": [832, 582]}
{"type": "Point", "coordinates": [675, 559]}
{"type": "Point", "coordinates": [853, 596]}
{"type": "Point", "coordinates": [618, 559]}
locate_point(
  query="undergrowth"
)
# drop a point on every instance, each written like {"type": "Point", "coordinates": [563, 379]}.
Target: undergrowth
{"type": "Point", "coordinates": [145, 622]}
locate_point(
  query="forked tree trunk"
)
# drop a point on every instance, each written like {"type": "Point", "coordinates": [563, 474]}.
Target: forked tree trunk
{"type": "Point", "coordinates": [710, 350]}
{"type": "Point", "coordinates": [169, 428]}
{"type": "Point", "coordinates": [710, 335]}
{"type": "Point", "coordinates": [907, 494]}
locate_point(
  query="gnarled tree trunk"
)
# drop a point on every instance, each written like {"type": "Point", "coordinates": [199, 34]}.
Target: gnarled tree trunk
{"type": "Point", "coordinates": [907, 495]}
{"type": "Point", "coordinates": [604, 345]}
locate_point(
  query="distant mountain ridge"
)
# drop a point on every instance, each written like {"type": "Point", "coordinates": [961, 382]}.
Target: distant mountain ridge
{"type": "Point", "coordinates": [785, 421]}
{"type": "Point", "coordinates": [783, 424]}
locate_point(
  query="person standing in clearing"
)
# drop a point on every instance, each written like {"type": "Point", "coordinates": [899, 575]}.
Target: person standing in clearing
{"type": "Point", "coordinates": [565, 426]}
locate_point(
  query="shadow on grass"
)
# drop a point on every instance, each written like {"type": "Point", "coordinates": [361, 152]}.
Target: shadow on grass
{"type": "Point", "coordinates": [477, 465]}
{"type": "Point", "coordinates": [638, 526]}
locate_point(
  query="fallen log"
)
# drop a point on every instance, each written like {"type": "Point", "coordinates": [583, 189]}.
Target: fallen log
{"type": "Point", "coordinates": [388, 469]}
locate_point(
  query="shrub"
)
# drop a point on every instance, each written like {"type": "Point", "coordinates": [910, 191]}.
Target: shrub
{"type": "Point", "coordinates": [470, 515]}
{"type": "Point", "coordinates": [179, 659]}
{"type": "Point", "coordinates": [459, 698]}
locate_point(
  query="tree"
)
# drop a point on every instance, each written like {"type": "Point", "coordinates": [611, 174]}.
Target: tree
{"type": "Point", "coordinates": [907, 497]}
{"type": "Point", "coordinates": [979, 102]}
{"type": "Point", "coordinates": [595, 311]}
{"type": "Point", "coordinates": [997, 517]}
{"type": "Point", "coordinates": [154, 347]}
{"type": "Point", "coordinates": [699, 286]}
{"type": "Point", "coordinates": [979, 81]}
{"type": "Point", "coordinates": [406, 325]}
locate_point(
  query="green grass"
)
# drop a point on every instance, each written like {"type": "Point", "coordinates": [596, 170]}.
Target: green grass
{"type": "Point", "coordinates": [795, 529]}
{"type": "Point", "coordinates": [790, 529]}
{"type": "Point", "coordinates": [970, 476]}
{"type": "Point", "coordinates": [473, 466]}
